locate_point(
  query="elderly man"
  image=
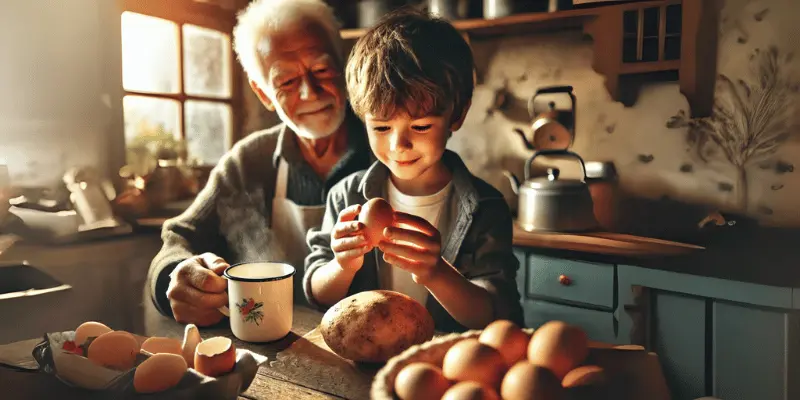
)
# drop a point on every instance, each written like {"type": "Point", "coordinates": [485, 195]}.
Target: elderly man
{"type": "Point", "coordinates": [266, 193]}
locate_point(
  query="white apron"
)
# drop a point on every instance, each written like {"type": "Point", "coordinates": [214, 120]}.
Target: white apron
{"type": "Point", "coordinates": [290, 223]}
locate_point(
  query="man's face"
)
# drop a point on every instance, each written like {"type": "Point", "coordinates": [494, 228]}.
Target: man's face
{"type": "Point", "coordinates": [409, 146]}
{"type": "Point", "coordinates": [304, 81]}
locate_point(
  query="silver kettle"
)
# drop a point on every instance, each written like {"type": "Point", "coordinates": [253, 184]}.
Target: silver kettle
{"type": "Point", "coordinates": [551, 203]}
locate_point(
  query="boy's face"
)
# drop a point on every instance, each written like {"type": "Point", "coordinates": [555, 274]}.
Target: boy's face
{"type": "Point", "coordinates": [409, 146]}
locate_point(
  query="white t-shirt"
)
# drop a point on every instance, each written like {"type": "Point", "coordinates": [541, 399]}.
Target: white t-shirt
{"type": "Point", "coordinates": [433, 208]}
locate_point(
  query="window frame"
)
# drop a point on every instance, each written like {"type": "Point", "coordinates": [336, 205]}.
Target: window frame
{"type": "Point", "coordinates": [204, 15]}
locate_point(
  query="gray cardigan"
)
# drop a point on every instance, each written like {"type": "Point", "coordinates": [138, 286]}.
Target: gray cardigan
{"type": "Point", "coordinates": [231, 215]}
{"type": "Point", "coordinates": [479, 243]}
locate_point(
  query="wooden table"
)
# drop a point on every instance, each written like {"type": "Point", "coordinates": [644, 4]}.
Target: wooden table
{"type": "Point", "coordinates": [266, 385]}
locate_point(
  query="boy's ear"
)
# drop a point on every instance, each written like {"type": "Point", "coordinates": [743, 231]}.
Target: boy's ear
{"type": "Point", "coordinates": [265, 100]}
{"type": "Point", "coordinates": [456, 125]}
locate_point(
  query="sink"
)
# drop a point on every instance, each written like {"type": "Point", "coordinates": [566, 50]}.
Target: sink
{"type": "Point", "coordinates": [32, 303]}
{"type": "Point", "coordinates": [22, 280]}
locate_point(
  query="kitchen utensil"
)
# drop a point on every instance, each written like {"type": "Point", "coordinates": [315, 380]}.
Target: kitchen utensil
{"type": "Point", "coordinates": [371, 11]}
{"type": "Point", "coordinates": [449, 9]}
{"type": "Point", "coordinates": [601, 176]}
{"type": "Point", "coordinates": [89, 199]}
{"type": "Point", "coordinates": [558, 5]}
{"type": "Point", "coordinates": [498, 8]}
{"type": "Point", "coordinates": [260, 301]}
{"type": "Point", "coordinates": [553, 111]}
{"type": "Point", "coordinates": [553, 204]}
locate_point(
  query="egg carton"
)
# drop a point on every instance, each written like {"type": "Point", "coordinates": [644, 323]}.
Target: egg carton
{"type": "Point", "coordinates": [77, 371]}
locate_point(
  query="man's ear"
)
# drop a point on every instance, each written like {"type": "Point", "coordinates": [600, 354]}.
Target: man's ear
{"type": "Point", "coordinates": [265, 100]}
{"type": "Point", "coordinates": [456, 125]}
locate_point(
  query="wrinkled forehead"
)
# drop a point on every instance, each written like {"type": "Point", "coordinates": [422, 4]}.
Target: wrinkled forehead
{"type": "Point", "coordinates": [301, 40]}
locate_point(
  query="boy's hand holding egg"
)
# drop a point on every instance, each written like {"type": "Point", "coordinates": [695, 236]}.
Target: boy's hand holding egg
{"type": "Point", "coordinates": [413, 244]}
{"type": "Point", "coordinates": [352, 235]}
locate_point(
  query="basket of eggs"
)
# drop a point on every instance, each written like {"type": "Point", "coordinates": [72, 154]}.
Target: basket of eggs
{"type": "Point", "coordinates": [503, 361]}
{"type": "Point", "coordinates": [96, 357]}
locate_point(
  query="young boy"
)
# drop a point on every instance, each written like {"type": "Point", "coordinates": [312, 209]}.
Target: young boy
{"type": "Point", "coordinates": [410, 78]}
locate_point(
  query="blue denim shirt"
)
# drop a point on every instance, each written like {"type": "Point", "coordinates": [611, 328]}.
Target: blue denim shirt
{"type": "Point", "coordinates": [479, 243]}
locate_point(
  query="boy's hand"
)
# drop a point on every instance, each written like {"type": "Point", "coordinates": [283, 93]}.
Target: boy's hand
{"type": "Point", "coordinates": [348, 241]}
{"type": "Point", "coordinates": [416, 250]}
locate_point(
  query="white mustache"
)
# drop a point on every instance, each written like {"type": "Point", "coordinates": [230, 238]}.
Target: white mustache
{"type": "Point", "coordinates": [314, 107]}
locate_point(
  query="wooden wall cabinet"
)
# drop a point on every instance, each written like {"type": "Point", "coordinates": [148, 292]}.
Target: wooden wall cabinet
{"type": "Point", "coordinates": [634, 39]}
{"type": "Point", "coordinates": [633, 42]}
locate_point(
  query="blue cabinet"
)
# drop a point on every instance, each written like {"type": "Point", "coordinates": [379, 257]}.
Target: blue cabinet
{"type": "Point", "coordinates": [714, 337]}
{"type": "Point", "coordinates": [677, 333]}
{"type": "Point", "coordinates": [575, 291]}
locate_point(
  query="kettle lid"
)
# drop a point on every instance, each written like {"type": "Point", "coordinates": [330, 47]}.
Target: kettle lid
{"type": "Point", "coordinates": [553, 181]}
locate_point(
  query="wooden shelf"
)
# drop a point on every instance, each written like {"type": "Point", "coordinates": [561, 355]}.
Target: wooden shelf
{"type": "Point", "coordinates": [645, 67]}
{"type": "Point", "coordinates": [499, 26]}
{"type": "Point", "coordinates": [605, 25]}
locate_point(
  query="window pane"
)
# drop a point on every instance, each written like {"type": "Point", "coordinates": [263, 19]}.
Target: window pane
{"type": "Point", "coordinates": [208, 129]}
{"type": "Point", "coordinates": [149, 54]}
{"type": "Point", "coordinates": [150, 116]}
{"type": "Point", "coordinates": [207, 62]}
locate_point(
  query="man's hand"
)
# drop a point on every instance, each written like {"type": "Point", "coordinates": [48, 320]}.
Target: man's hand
{"type": "Point", "coordinates": [196, 290]}
{"type": "Point", "coordinates": [416, 249]}
{"type": "Point", "coordinates": [348, 241]}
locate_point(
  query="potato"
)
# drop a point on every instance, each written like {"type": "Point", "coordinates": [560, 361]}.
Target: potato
{"type": "Point", "coordinates": [375, 326]}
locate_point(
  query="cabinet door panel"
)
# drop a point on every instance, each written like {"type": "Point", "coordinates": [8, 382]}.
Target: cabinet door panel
{"type": "Point", "coordinates": [678, 336]}
{"type": "Point", "coordinates": [750, 350]}
{"type": "Point", "coordinates": [599, 325]}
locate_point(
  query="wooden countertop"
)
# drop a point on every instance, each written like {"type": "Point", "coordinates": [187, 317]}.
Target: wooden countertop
{"type": "Point", "coordinates": [765, 256]}
{"type": "Point", "coordinates": [603, 243]}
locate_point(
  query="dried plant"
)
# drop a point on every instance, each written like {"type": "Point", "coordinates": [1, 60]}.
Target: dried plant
{"type": "Point", "coordinates": [750, 120]}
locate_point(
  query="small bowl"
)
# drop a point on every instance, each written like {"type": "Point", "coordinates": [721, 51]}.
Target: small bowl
{"type": "Point", "coordinates": [432, 352]}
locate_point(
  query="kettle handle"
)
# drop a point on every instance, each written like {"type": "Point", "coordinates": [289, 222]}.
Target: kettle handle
{"type": "Point", "coordinates": [553, 152]}
{"type": "Point", "coordinates": [552, 89]}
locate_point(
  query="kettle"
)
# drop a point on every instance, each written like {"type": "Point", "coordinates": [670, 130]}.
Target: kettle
{"type": "Point", "coordinates": [552, 110]}
{"type": "Point", "coordinates": [551, 203]}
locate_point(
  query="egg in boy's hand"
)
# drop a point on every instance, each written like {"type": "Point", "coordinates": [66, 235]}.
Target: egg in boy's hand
{"type": "Point", "coordinates": [413, 244]}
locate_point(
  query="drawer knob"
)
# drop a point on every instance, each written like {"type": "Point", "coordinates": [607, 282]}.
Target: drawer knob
{"type": "Point", "coordinates": [564, 280]}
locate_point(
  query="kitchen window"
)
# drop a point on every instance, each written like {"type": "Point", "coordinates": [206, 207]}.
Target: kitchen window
{"type": "Point", "coordinates": [178, 76]}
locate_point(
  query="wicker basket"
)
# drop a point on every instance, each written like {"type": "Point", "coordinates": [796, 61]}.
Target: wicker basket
{"type": "Point", "coordinates": [432, 351]}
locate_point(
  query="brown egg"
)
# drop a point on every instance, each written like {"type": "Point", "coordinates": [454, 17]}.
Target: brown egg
{"type": "Point", "coordinates": [586, 375]}
{"type": "Point", "coordinates": [88, 330]}
{"type": "Point", "coordinates": [376, 214]}
{"type": "Point", "coordinates": [159, 372]}
{"type": "Point", "coordinates": [215, 357]}
{"type": "Point", "coordinates": [420, 381]}
{"type": "Point", "coordinates": [558, 346]}
{"type": "Point", "coordinates": [470, 390]}
{"type": "Point", "coordinates": [471, 360]}
{"type": "Point", "coordinates": [507, 338]}
{"type": "Point", "coordinates": [191, 338]}
{"type": "Point", "coordinates": [116, 350]}
{"type": "Point", "coordinates": [157, 345]}
{"type": "Point", "coordinates": [525, 381]}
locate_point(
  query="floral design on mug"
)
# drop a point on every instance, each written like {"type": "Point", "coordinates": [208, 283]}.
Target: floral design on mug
{"type": "Point", "coordinates": [249, 310]}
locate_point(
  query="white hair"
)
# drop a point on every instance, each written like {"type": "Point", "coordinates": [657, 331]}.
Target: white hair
{"type": "Point", "coordinates": [263, 17]}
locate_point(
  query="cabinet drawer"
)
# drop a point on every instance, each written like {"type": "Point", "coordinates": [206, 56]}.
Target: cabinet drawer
{"type": "Point", "coordinates": [588, 283]}
{"type": "Point", "coordinates": [598, 325]}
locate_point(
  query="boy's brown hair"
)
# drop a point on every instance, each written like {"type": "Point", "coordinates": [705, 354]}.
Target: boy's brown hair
{"type": "Point", "coordinates": [410, 62]}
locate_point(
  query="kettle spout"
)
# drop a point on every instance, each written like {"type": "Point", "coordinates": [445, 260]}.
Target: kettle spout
{"type": "Point", "coordinates": [521, 134]}
{"type": "Point", "coordinates": [512, 179]}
